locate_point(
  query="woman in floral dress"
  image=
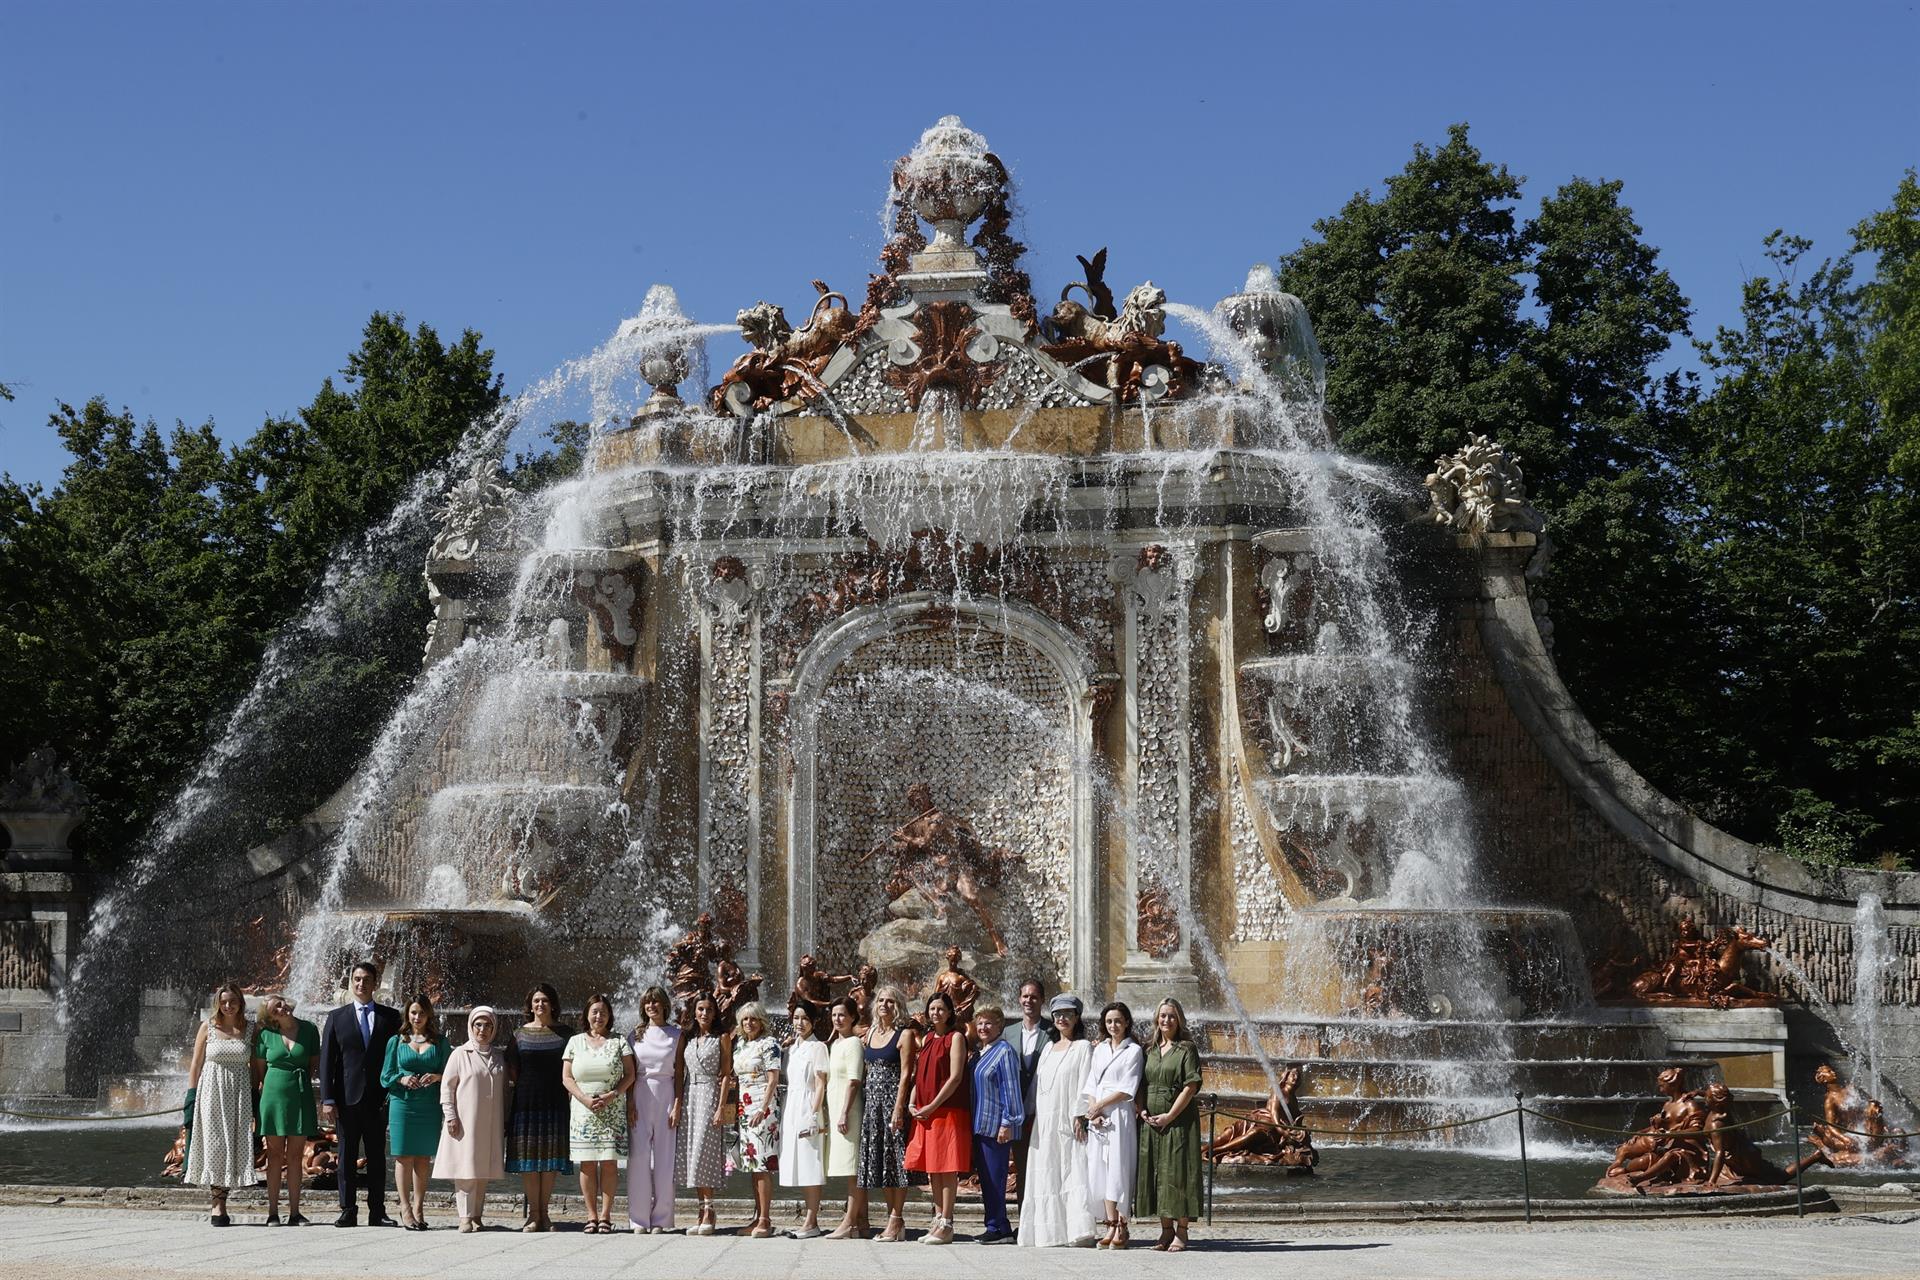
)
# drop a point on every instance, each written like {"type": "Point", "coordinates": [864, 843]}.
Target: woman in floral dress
{"type": "Point", "coordinates": [756, 1065]}
{"type": "Point", "coordinates": [595, 1070]}
{"type": "Point", "coordinates": [699, 1158]}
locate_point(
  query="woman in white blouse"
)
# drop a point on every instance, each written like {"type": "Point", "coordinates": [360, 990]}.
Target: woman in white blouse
{"type": "Point", "coordinates": [803, 1122]}
{"type": "Point", "coordinates": [1108, 1103]}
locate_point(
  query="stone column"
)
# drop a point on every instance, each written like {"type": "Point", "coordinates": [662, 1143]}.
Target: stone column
{"type": "Point", "coordinates": [730, 678]}
{"type": "Point", "coordinates": [1157, 886]}
{"type": "Point", "coordinates": [40, 919]}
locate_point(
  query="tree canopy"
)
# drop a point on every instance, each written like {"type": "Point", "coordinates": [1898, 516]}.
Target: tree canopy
{"type": "Point", "coordinates": [1733, 593]}
{"type": "Point", "coordinates": [138, 597]}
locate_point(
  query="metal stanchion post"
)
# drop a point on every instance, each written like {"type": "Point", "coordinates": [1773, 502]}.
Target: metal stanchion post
{"type": "Point", "coordinates": [1526, 1183]}
{"type": "Point", "coordinates": [1213, 1115]}
{"type": "Point", "coordinates": [1799, 1175]}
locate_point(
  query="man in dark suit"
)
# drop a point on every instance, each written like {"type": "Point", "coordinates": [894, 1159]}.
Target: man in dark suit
{"type": "Point", "coordinates": [353, 1047]}
{"type": "Point", "coordinates": [1030, 1037]}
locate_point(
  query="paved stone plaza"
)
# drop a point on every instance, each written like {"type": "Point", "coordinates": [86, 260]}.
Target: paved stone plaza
{"type": "Point", "coordinates": [81, 1244]}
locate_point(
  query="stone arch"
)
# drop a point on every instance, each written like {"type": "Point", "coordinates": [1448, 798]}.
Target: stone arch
{"type": "Point", "coordinates": [925, 616]}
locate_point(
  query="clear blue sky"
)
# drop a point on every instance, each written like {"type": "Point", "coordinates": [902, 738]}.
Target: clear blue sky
{"type": "Point", "coordinates": [201, 204]}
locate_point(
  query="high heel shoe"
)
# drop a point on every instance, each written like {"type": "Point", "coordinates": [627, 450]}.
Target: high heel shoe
{"type": "Point", "coordinates": [896, 1229]}
{"type": "Point", "coordinates": [1120, 1238]}
{"type": "Point", "coordinates": [1106, 1237]}
{"type": "Point", "coordinates": [842, 1232]}
{"type": "Point", "coordinates": [273, 1219]}
{"type": "Point", "coordinates": [1166, 1238]}
{"type": "Point", "coordinates": [295, 1218]}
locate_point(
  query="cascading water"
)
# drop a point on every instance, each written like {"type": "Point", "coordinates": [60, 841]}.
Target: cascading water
{"type": "Point", "coordinates": [943, 547]}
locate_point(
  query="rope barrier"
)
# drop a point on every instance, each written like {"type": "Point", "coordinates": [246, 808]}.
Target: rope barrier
{"type": "Point", "coordinates": [174, 1110]}
{"type": "Point", "coordinates": [1262, 1123]}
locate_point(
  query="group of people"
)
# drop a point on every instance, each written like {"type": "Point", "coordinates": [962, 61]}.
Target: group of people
{"type": "Point", "coordinates": [1097, 1125]}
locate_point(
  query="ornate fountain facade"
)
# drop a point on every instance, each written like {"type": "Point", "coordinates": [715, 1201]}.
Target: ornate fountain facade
{"type": "Point", "coordinates": [941, 619]}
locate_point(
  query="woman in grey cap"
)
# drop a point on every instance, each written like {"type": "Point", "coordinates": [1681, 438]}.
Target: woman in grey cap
{"type": "Point", "coordinates": [1054, 1209]}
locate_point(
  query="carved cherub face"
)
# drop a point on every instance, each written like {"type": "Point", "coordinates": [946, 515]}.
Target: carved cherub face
{"type": "Point", "coordinates": [1825, 1074]}
{"type": "Point", "coordinates": [1154, 557]}
{"type": "Point", "coordinates": [953, 957]}
{"type": "Point", "coordinates": [807, 964]}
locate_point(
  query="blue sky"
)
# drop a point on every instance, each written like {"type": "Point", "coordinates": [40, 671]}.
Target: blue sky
{"type": "Point", "coordinates": [201, 204]}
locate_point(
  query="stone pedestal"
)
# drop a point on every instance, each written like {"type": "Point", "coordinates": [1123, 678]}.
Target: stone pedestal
{"type": "Point", "coordinates": [1749, 1044]}
{"type": "Point", "coordinates": [1144, 982]}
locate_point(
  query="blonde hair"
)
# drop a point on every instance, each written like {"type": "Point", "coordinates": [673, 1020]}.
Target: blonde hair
{"type": "Point", "coordinates": [993, 1011]}
{"type": "Point", "coordinates": [892, 993]}
{"type": "Point", "coordinates": [753, 1010]}
{"type": "Point", "coordinates": [1181, 1032]}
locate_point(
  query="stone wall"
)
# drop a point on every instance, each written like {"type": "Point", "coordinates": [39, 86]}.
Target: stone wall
{"type": "Point", "coordinates": [1565, 823]}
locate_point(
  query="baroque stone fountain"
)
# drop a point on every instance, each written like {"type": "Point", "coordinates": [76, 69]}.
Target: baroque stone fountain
{"type": "Point", "coordinates": [948, 618]}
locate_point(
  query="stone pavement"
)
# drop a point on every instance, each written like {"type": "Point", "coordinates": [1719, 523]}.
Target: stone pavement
{"type": "Point", "coordinates": [89, 1244]}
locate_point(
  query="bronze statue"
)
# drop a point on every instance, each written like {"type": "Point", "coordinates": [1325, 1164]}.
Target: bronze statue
{"type": "Point", "coordinates": [1853, 1130]}
{"type": "Point", "coordinates": [690, 963]}
{"type": "Point", "coordinates": [1673, 1140]}
{"type": "Point", "coordinates": [940, 855]}
{"type": "Point", "coordinates": [733, 987]}
{"type": "Point", "coordinates": [1271, 1135]}
{"type": "Point", "coordinates": [866, 981]}
{"type": "Point", "coordinates": [814, 985]}
{"type": "Point", "coordinates": [1701, 972]}
{"type": "Point", "coordinates": [785, 363]}
{"type": "Point", "coordinates": [959, 987]}
{"type": "Point", "coordinates": [1123, 345]}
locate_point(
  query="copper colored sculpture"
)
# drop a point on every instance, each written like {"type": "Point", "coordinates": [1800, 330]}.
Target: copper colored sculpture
{"type": "Point", "coordinates": [1853, 1130]}
{"type": "Point", "coordinates": [1692, 1147]}
{"type": "Point", "coordinates": [1271, 1135]}
{"type": "Point", "coordinates": [1157, 924]}
{"type": "Point", "coordinates": [690, 962]}
{"type": "Point", "coordinates": [784, 363]}
{"type": "Point", "coordinates": [959, 986]}
{"type": "Point", "coordinates": [733, 987]}
{"type": "Point", "coordinates": [814, 985]}
{"type": "Point", "coordinates": [1673, 1140]}
{"type": "Point", "coordinates": [940, 855]}
{"type": "Point", "coordinates": [1703, 973]}
{"type": "Point", "coordinates": [866, 981]}
{"type": "Point", "coordinates": [945, 330]}
{"type": "Point", "coordinates": [1119, 348]}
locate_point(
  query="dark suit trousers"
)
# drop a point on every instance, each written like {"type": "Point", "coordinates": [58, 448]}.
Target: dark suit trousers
{"type": "Point", "coordinates": [363, 1126]}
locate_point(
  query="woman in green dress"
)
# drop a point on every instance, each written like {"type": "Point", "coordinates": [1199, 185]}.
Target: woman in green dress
{"type": "Point", "coordinates": [1167, 1178]}
{"type": "Point", "coordinates": [416, 1059]}
{"type": "Point", "coordinates": [285, 1049]}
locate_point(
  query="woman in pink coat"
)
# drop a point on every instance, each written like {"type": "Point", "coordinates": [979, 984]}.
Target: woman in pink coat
{"type": "Point", "coordinates": [473, 1103]}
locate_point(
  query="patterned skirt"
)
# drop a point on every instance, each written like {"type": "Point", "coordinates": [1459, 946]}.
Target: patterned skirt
{"type": "Point", "coordinates": [883, 1149]}
{"type": "Point", "coordinates": [537, 1139]}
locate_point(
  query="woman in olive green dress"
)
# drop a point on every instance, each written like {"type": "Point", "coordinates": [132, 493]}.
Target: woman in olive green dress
{"type": "Point", "coordinates": [416, 1059]}
{"type": "Point", "coordinates": [285, 1049]}
{"type": "Point", "coordinates": [1167, 1179]}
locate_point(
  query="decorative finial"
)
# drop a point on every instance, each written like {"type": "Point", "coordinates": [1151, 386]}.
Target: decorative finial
{"type": "Point", "coordinates": [661, 339]}
{"type": "Point", "coordinates": [948, 179]}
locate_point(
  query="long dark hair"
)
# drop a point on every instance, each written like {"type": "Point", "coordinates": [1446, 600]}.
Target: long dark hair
{"type": "Point", "coordinates": [1121, 1007]}
{"type": "Point", "coordinates": [433, 1018]}
{"type": "Point", "coordinates": [953, 1012]}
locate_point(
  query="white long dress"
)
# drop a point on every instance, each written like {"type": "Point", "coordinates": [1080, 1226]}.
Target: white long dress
{"type": "Point", "coordinates": [1053, 1199]}
{"type": "Point", "coordinates": [800, 1158]}
{"type": "Point", "coordinates": [1113, 1148]}
{"type": "Point", "coordinates": [220, 1150]}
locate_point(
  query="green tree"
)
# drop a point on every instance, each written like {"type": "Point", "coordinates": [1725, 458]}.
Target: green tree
{"type": "Point", "coordinates": [1441, 312]}
{"type": "Point", "coordinates": [137, 598]}
{"type": "Point", "coordinates": [1807, 536]}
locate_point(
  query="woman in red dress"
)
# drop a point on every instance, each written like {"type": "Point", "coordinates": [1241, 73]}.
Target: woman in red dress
{"type": "Point", "coordinates": [942, 1145]}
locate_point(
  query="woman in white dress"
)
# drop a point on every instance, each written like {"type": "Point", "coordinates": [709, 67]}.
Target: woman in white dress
{"type": "Point", "coordinates": [1053, 1196]}
{"type": "Point", "coordinates": [220, 1148]}
{"type": "Point", "coordinates": [803, 1122]}
{"type": "Point", "coordinates": [1109, 1101]}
